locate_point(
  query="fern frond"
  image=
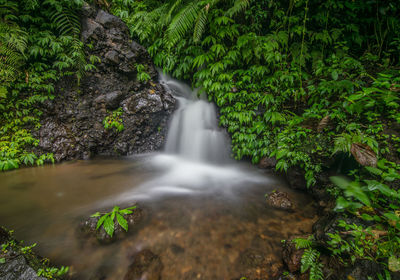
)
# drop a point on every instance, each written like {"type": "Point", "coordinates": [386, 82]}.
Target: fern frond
{"type": "Point", "coordinates": [172, 10]}
{"type": "Point", "coordinates": [308, 259]}
{"type": "Point", "coordinates": [68, 23]}
{"type": "Point", "coordinates": [31, 4]}
{"type": "Point", "coordinates": [316, 271]}
{"type": "Point", "coordinates": [200, 25]}
{"type": "Point", "coordinates": [302, 243]}
{"type": "Point", "coordinates": [13, 36]}
{"type": "Point", "coordinates": [13, 43]}
{"type": "Point", "coordinates": [238, 6]}
{"type": "Point", "coordinates": [146, 25]}
{"type": "Point", "coordinates": [8, 10]}
{"type": "Point", "coordinates": [182, 22]}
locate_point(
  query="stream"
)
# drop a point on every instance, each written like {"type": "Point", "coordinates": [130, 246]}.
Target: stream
{"type": "Point", "coordinates": [206, 215]}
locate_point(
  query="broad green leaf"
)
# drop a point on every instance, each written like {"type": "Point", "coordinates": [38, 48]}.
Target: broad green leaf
{"type": "Point", "coordinates": [122, 222]}
{"type": "Point", "coordinates": [97, 214]}
{"type": "Point", "coordinates": [384, 189]}
{"type": "Point", "coordinates": [355, 191]}
{"type": "Point", "coordinates": [341, 203]}
{"type": "Point", "coordinates": [341, 182]}
{"type": "Point", "coordinates": [109, 226]}
{"type": "Point", "coordinates": [101, 221]}
{"type": "Point", "coordinates": [2, 260]}
{"type": "Point", "coordinates": [125, 212]}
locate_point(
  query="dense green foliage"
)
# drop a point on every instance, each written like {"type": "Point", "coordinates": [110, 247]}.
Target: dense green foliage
{"type": "Point", "coordinates": [39, 43]}
{"type": "Point", "coordinates": [302, 81]}
{"type": "Point", "coordinates": [282, 71]}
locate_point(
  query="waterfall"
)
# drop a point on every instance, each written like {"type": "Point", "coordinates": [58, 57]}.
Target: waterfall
{"type": "Point", "coordinates": [194, 133]}
{"type": "Point", "coordinates": [196, 159]}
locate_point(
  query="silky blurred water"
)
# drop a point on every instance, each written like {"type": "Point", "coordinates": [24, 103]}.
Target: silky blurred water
{"type": "Point", "coordinates": [206, 216]}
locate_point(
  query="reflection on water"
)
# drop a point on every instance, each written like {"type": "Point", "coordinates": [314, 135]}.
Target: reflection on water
{"type": "Point", "coordinates": [208, 224]}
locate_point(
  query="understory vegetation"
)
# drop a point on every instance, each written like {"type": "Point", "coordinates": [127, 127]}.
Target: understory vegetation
{"type": "Point", "coordinates": [313, 84]}
{"type": "Point", "coordinates": [39, 43]}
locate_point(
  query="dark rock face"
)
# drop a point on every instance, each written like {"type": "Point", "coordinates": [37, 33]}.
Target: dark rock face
{"type": "Point", "coordinates": [280, 200]}
{"type": "Point", "coordinates": [267, 162]}
{"type": "Point", "coordinates": [145, 265]}
{"type": "Point", "coordinates": [295, 177]}
{"type": "Point", "coordinates": [72, 124]}
{"type": "Point", "coordinates": [16, 268]}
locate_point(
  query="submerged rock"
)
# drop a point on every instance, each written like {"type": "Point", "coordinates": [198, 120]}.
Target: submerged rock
{"type": "Point", "coordinates": [280, 200]}
{"type": "Point", "coordinates": [72, 124]}
{"type": "Point", "coordinates": [257, 264]}
{"type": "Point", "coordinates": [145, 265]}
{"type": "Point", "coordinates": [88, 227]}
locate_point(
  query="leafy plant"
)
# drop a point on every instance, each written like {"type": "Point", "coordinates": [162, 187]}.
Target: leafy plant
{"type": "Point", "coordinates": [142, 75]}
{"type": "Point", "coordinates": [107, 220]}
{"type": "Point", "coordinates": [310, 258]}
{"type": "Point", "coordinates": [114, 120]}
{"type": "Point", "coordinates": [53, 272]}
{"type": "Point", "coordinates": [39, 43]}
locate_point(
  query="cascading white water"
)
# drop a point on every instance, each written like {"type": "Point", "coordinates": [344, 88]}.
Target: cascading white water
{"type": "Point", "coordinates": [194, 133]}
{"type": "Point", "coordinates": [196, 159]}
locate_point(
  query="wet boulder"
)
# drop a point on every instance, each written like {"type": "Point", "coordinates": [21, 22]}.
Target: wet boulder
{"type": "Point", "coordinates": [296, 179]}
{"type": "Point", "coordinates": [17, 268]}
{"type": "Point", "coordinates": [88, 229]}
{"type": "Point", "coordinates": [267, 162]}
{"type": "Point", "coordinates": [145, 265]}
{"type": "Point", "coordinates": [280, 200]}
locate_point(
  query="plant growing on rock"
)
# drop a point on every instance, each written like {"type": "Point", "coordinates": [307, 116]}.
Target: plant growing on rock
{"type": "Point", "coordinates": [114, 120]}
{"type": "Point", "coordinates": [53, 272]}
{"type": "Point", "coordinates": [107, 220]}
{"type": "Point", "coordinates": [142, 75]}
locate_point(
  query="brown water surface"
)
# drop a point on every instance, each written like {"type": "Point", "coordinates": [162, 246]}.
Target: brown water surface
{"type": "Point", "coordinates": [201, 227]}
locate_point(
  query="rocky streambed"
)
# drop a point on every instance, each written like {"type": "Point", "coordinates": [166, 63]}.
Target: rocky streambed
{"type": "Point", "coordinates": [224, 231]}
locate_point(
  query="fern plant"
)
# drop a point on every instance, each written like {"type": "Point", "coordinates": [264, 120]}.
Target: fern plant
{"type": "Point", "coordinates": [68, 23]}
{"type": "Point", "coordinates": [13, 44]}
{"type": "Point", "coordinates": [310, 258]}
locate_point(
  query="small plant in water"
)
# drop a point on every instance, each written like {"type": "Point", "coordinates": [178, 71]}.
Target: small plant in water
{"type": "Point", "coordinates": [107, 219]}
